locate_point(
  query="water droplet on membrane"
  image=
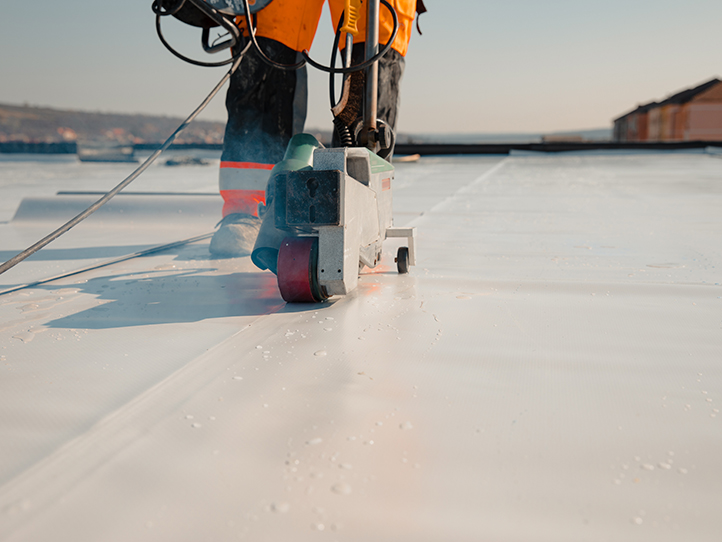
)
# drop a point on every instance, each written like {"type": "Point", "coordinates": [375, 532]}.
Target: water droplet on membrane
{"type": "Point", "coordinates": [341, 489]}
{"type": "Point", "coordinates": [281, 507]}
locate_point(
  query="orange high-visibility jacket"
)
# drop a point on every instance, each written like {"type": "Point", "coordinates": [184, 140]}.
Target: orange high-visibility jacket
{"type": "Point", "coordinates": [294, 22]}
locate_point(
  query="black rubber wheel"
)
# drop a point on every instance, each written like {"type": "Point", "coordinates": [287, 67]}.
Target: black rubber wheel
{"type": "Point", "coordinates": [402, 260]}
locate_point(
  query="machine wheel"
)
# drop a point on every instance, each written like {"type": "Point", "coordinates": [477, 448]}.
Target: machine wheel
{"type": "Point", "coordinates": [297, 270]}
{"type": "Point", "coordinates": [402, 260]}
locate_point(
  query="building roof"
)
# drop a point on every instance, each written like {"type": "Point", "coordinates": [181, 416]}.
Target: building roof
{"type": "Point", "coordinates": [679, 98]}
{"type": "Point", "coordinates": [640, 109]}
{"type": "Point", "coordinates": [689, 94]}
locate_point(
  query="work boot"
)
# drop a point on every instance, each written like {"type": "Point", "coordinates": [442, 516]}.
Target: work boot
{"type": "Point", "coordinates": [236, 236]}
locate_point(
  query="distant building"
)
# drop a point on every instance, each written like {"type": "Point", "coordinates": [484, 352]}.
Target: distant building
{"type": "Point", "coordinates": [694, 114]}
{"type": "Point", "coordinates": [634, 126]}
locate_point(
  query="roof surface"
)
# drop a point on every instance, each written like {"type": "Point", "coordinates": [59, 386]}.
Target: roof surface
{"type": "Point", "coordinates": [551, 369]}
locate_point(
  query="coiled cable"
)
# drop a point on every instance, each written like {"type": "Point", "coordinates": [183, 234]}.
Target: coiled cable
{"type": "Point", "coordinates": [307, 59]}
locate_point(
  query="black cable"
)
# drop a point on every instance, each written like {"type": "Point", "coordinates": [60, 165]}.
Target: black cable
{"type": "Point", "coordinates": [227, 22]}
{"type": "Point", "coordinates": [219, 18]}
{"type": "Point", "coordinates": [344, 136]}
{"type": "Point", "coordinates": [366, 63]}
{"type": "Point", "coordinates": [183, 57]}
{"type": "Point", "coordinates": [12, 262]}
{"type": "Point", "coordinates": [334, 51]}
{"type": "Point", "coordinates": [264, 57]}
{"type": "Point", "coordinates": [157, 7]}
{"type": "Point", "coordinates": [309, 60]}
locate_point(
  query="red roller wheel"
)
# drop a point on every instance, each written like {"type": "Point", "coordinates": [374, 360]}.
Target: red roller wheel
{"type": "Point", "coordinates": [297, 270]}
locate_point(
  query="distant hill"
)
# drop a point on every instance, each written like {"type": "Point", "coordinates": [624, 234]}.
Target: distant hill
{"type": "Point", "coordinates": [46, 125]}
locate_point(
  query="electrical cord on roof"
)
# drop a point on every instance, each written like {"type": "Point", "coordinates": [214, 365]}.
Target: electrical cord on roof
{"type": "Point", "coordinates": [12, 262]}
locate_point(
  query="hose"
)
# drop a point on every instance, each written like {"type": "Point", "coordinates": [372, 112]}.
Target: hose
{"type": "Point", "coordinates": [365, 64]}
{"type": "Point", "coordinates": [334, 51]}
{"type": "Point", "coordinates": [93, 267]}
{"type": "Point", "coordinates": [158, 8]}
{"type": "Point", "coordinates": [12, 262]}
{"type": "Point", "coordinates": [221, 19]}
{"type": "Point", "coordinates": [307, 59]}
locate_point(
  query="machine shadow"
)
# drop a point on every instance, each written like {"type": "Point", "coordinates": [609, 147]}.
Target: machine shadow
{"type": "Point", "coordinates": [193, 295]}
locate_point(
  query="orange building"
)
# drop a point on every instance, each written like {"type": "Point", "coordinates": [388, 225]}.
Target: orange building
{"type": "Point", "coordinates": [701, 118]}
{"type": "Point", "coordinates": [634, 126]}
{"type": "Point", "coordinates": [694, 114]}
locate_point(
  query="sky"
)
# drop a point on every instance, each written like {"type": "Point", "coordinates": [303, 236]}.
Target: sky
{"type": "Point", "coordinates": [480, 66]}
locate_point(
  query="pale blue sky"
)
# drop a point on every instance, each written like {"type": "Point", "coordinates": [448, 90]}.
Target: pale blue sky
{"type": "Point", "coordinates": [505, 66]}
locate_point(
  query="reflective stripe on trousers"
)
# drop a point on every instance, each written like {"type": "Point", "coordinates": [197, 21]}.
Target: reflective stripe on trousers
{"type": "Point", "coordinates": [243, 186]}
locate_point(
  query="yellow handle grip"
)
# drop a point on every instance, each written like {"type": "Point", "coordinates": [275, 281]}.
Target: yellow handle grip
{"type": "Point", "coordinates": [351, 14]}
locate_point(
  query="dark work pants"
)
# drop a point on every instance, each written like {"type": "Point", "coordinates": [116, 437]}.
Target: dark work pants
{"type": "Point", "coordinates": [266, 106]}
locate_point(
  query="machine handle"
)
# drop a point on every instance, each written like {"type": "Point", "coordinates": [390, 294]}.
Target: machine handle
{"type": "Point", "coordinates": [233, 31]}
{"type": "Point", "coordinates": [351, 14]}
{"type": "Point", "coordinates": [208, 48]}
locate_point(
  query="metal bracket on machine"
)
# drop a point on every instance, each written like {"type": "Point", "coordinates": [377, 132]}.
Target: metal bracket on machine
{"type": "Point", "coordinates": [409, 234]}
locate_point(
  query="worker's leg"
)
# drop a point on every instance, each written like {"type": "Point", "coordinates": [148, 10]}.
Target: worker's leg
{"type": "Point", "coordinates": [266, 106]}
{"type": "Point", "coordinates": [260, 104]}
{"type": "Point", "coordinates": [391, 70]}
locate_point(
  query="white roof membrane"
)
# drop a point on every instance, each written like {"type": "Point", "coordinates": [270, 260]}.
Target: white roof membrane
{"type": "Point", "coordinates": [550, 370]}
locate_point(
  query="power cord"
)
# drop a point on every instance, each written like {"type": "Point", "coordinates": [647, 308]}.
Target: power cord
{"type": "Point", "coordinates": [307, 59]}
{"type": "Point", "coordinates": [12, 262]}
